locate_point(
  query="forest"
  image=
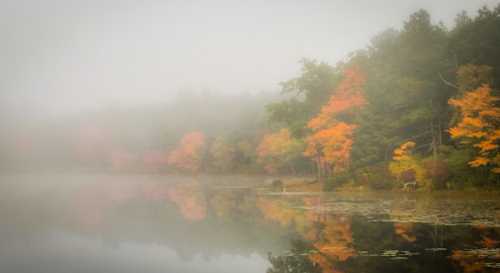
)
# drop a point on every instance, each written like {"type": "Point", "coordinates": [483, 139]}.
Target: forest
{"type": "Point", "coordinates": [418, 107]}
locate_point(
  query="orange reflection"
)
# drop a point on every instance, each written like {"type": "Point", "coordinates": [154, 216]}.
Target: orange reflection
{"type": "Point", "coordinates": [474, 260]}
{"type": "Point", "coordinates": [190, 201]}
{"type": "Point", "coordinates": [330, 235]}
{"type": "Point", "coordinates": [404, 230]}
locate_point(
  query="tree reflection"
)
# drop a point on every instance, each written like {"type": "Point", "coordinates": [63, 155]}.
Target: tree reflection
{"type": "Point", "coordinates": [190, 200]}
{"type": "Point", "coordinates": [326, 238]}
{"type": "Point", "coordinates": [295, 262]}
{"type": "Point", "coordinates": [297, 233]}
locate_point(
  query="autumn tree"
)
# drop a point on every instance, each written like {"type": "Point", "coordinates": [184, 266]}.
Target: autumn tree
{"type": "Point", "coordinates": [470, 77]}
{"type": "Point", "coordinates": [188, 155]}
{"type": "Point", "coordinates": [246, 156]}
{"type": "Point", "coordinates": [479, 126]}
{"type": "Point", "coordinates": [222, 154]}
{"type": "Point", "coordinates": [331, 140]}
{"type": "Point", "coordinates": [406, 167]}
{"type": "Point", "coordinates": [307, 93]}
{"type": "Point", "coordinates": [277, 151]}
{"type": "Point", "coordinates": [407, 98]}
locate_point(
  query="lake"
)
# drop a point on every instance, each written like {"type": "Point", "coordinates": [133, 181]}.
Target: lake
{"type": "Point", "coordinates": [151, 223]}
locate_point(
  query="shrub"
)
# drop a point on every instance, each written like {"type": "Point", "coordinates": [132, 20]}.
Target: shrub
{"type": "Point", "coordinates": [376, 177]}
{"type": "Point", "coordinates": [437, 172]}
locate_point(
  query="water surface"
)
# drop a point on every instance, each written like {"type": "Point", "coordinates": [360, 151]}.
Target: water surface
{"type": "Point", "coordinates": [144, 223]}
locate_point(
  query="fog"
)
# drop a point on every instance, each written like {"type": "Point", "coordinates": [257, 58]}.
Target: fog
{"type": "Point", "coordinates": [63, 56]}
{"type": "Point", "coordinates": [249, 136]}
{"type": "Point", "coordinates": [137, 75]}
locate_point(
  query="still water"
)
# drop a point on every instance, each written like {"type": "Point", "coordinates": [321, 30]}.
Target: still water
{"type": "Point", "coordinates": [104, 223]}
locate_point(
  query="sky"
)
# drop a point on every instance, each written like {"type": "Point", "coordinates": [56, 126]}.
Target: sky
{"type": "Point", "coordinates": [67, 55]}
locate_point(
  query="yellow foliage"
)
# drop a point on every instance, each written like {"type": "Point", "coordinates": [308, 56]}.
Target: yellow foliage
{"type": "Point", "coordinates": [405, 163]}
{"type": "Point", "coordinates": [398, 168]}
{"type": "Point", "coordinates": [277, 149]}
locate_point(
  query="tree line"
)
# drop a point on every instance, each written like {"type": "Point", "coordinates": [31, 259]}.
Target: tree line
{"type": "Point", "coordinates": [418, 105]}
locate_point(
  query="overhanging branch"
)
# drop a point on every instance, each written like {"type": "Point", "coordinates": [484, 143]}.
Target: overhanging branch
{"type": "Point", "coordinates": [447, 82]}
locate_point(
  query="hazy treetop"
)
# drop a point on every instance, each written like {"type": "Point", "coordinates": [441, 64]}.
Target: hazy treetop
{"type": "Point", "coordinates": [65, 55]}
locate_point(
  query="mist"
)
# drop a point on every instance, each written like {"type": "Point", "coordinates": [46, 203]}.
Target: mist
{"type": "Point", "coordinates": [67, 56]}
{"type": "Point", "coordinates": [249, 136]}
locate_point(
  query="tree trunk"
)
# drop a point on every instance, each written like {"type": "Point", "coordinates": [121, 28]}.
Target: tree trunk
{"type": "Point", "coordinates": [318, 169]}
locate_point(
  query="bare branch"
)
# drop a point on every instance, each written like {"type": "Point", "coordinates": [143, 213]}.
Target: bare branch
{"type": "Point", "coordinates": [447, 82]}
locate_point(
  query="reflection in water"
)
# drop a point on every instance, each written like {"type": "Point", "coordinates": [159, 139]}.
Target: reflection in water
{"type": "Point", "coordinates": [404, 230]}
{"type": "Point", "coordinates": [219, 224]}
{"type": "Point", "coordinates": [189, 199]}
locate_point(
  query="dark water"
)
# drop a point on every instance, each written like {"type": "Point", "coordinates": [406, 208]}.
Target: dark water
{"type": "Point", "coordinates": [101, 223]}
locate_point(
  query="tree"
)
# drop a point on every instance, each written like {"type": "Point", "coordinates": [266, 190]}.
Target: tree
{"type": "Point", "coordinates": [347, 97]}
{"type": "Point", "coordinates": [279, 150]}
{"type": "Point", "coordinates": [330, 147]}
{"type": "Point", "coordinates": [406, 96]}
{"type": "Point", "coordinates": [308, 92]}
{"type": "Point", "coordinates": [188, 155]}
{"type": "Point", "coordinates": [479, 126]}
{"type": "Point", "coordinates": [330, 143]}
{"type": "Point", "coordinates": [470, 77]}
{"type": "Point", "coordinates": [222, 155]}
{"type": "Point", "coordinates": [406, 167]}
{"type": "Point", "coordinates": [476, 40]}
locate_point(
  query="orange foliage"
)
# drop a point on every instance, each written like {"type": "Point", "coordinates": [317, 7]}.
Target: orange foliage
{"type": "Point", "coordinates": [404, 230]}
{"type": "Point", "coordinates": [470, 263]}
{"type": "Point", "coordinates": [332, 145]}
{"type": "Point", "coordinates": [277, 149]}
{"type": "Point", "coordinates": [331, 141]}
{"type": "Point", "coordinates": [347, 96]}
{"type": "Point", "coordinates": [403, 152]}
{"type": "Point", "coordinates": [479, 125]}
{"type": "Point", "coordinates": [330, 235]}
{"type": "Point", "coordinates": [277, 211]}
{"type": "Point", "coordinates": [489, 242]}
{"type": "Point", "coordinates": [332, 239]}
{"type": "Point", "coordinates": [190, 201]}
{"type": "Point", "coordinates": [188, 155]}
